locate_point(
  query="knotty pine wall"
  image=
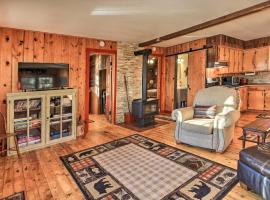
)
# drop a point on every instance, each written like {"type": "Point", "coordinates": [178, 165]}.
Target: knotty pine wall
{"type": "Point", "coordinates": [32, 46]}
{"type": "Point", "coordinates": [184, 47]}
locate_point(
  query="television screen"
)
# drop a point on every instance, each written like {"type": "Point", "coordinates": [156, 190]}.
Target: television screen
{"type": "Point", "coordinates": [28, 82]}
{"type": "Point", "coordinates": [42, 76]}
{"type": "Point", "coordinates": [45, 82]}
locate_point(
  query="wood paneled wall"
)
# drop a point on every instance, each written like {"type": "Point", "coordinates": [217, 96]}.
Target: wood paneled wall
{"type": "Point", "coordinates": [260, 42]}
{"type": "Point", "coordinates": [228, 41]}
{"type": "Point", "coordinates": [225, 40]}
{"type": "Point", "coordinates": [184, 47]}
{"type": "Point", "coordinates": [217, 40]}
{"type": "Point", "coordinates": [31, 46]}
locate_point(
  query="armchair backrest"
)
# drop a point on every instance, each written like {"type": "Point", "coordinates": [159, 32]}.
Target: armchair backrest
{"type": "Point", "coordinates": [226, 99]}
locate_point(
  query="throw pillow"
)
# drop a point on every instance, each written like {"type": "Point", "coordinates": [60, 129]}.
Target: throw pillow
{"type": "Point", "coordinates": [201, 111]}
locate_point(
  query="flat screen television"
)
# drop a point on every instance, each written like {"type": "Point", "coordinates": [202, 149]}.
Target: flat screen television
{"type": "Point", "coordinates": [43, 76]}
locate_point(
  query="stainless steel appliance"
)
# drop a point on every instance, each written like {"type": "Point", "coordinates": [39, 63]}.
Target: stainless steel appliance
{"type": "Point", "coordinates": [230, 80]}
{"type": "Point", "coordinates": [213, 82]}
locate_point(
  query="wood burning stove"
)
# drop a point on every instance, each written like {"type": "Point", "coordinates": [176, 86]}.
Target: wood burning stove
{"type": "Point", "coordinates": [144, 110]}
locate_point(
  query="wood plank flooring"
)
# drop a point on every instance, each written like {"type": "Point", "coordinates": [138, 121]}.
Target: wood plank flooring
{"type": "Point", "coordinates": [42, 176]}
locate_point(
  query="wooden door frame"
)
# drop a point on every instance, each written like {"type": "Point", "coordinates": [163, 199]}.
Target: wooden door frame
{"type": "Point", "coordinates": [165, 84]}
{"type": "Point", "coordinates": [90, 51]}
{"type": "Point", "coordinates": [160, 65]}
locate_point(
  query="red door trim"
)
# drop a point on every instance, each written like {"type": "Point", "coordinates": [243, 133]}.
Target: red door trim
{"type": "Point", "coordinates": [102, 51]}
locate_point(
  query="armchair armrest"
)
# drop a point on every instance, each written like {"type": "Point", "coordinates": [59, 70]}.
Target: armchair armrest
{"type": "Point", "coordinates": [223, 120]}
{"type": "Point", "coordinates": [183, 114]}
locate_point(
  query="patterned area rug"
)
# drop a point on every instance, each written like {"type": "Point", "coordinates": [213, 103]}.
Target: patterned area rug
{"type": "Point", "coordinates": [17, 196]}
{"type": "Point", "coordinates": [139, 168]}
{"type": "Point", "coordinates": [252, 137]}
{"type": "Point", "coordinates": [264, 116]}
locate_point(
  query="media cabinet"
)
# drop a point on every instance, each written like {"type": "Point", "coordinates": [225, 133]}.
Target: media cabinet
{"type": "Point", "coordinates": [41, 118]}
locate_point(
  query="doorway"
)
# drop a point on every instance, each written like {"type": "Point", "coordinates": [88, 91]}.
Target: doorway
{"type": "Point", "coordinates": [184, 76]}
{"type": "Point", "coordinates": [100, 94]}
{"type": "Point", "coordinates": [100, 84]}
{"type": "Point", "coordinates": [181, 81]}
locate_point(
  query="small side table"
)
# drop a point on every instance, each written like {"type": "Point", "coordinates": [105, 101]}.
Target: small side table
{"type": "Point", "coordinates": [261, 127]}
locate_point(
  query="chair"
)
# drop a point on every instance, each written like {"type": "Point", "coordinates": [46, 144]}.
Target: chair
{"type": "Point", "coordinates": [215, 134]}
{"type": "Point", "coordinates": [4, 136]}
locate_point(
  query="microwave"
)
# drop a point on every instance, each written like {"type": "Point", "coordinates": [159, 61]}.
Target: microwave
{"type": "Point", "coordinates": [230, 80]}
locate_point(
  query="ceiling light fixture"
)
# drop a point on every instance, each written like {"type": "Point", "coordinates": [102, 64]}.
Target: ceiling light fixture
{"type": "Point", "coordinates": [115, 12]}
{"type": "Point", "coordinates": [180, 60]}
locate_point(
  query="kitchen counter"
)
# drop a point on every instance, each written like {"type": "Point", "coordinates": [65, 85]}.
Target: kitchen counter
{"type": "Point", "coordinates": [243, 86]}
{"type": "Point", "coordinates": [254, 85]}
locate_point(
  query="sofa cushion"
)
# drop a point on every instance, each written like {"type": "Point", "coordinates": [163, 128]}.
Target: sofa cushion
{"type": "Point", "coordinates": [256, 160]}
{"type": "Point", "coordinates": [202, 111]}
{"type": "Point", "coordinates": [199, 125]}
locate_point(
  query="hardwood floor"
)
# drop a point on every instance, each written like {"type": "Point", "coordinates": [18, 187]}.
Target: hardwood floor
{"type": "Point", "coordinates": [42, 176]}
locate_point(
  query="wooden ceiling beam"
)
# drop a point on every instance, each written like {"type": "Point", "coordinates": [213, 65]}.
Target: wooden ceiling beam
{"type": "Point", "coordinates": [210, 23]}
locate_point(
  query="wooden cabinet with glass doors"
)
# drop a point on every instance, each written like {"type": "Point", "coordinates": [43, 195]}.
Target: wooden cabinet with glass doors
{"type": "Point", "coordinates": [42, 118]}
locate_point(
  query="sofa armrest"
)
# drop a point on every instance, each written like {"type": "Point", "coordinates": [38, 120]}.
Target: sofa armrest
{"type": "Point", "coordinates": [183, 114]}
{"type": "Point", "coordinates": [223, 120]}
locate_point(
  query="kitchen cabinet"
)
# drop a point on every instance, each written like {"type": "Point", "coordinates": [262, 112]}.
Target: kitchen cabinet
{"type": "Point", "coordinates": [256, 99]}
{"type": "Point", "coordinates": [261, 59]}
{"type": "Point", "coordinates": [267, 100]}
{"type": "Point", "coordinates": [212, 72]}
{"type": "Point", "coordinates": [256, 59]}
{"type": "Point", "coordinates": [249, 60]}
{"type": "Point", "coordinates": [240, 60]}
{"type": "Point", "coordinates": [233, 56]}
{"type": "Point", "coordinates": [41, 118]}
{"type": "Point", "coordinates": [223, 55]}
{"type": "Point", "coordinates": [231, 61]}
{"type": "Point", "coordinates": [243, 93]}
{"type": "Point", "coordinates": [236, 61]}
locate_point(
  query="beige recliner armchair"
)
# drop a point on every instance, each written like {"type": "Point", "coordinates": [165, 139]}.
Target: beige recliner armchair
{"type": "Point", "coordinates": [215, 134]}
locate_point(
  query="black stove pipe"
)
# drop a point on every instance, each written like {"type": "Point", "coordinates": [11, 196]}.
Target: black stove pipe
{"type": "Point", "coordinates": [145, 53]}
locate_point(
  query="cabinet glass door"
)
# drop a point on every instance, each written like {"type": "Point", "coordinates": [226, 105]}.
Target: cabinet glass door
{"type": "Point", "coordinates": [28, 121]}
{"type": "Point", "coordinates": [55, 118]}
{"type": "Point", "coordinates": [21, 121]}
{"type": "Point", "coordinates": [67, 115]}
{"type": "Point", "coordinates": [35, 121]}
{"type": "Point", "coordinates": [60, 117]}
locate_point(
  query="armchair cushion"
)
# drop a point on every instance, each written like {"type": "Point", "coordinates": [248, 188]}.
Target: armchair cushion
{"type": "Point", "coordinates": [183, 114]}
{"type": "Point", "coordinates": [199, 125]}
